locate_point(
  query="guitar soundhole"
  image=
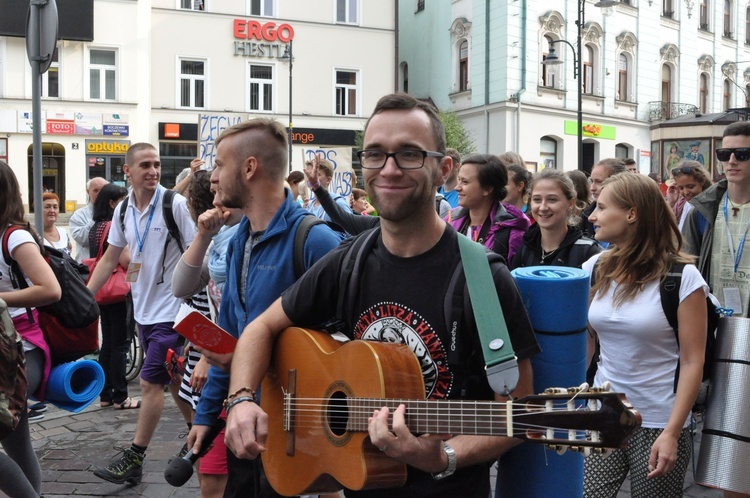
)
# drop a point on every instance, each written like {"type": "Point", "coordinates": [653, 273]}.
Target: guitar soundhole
{"type": "Point", "coordinates": [338, 413]}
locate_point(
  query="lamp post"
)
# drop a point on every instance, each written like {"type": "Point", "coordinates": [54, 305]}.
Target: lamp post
{"type": "Point", "coordinates": [288, 56]}
{"type": "Point", "coordinates": [553, 59]}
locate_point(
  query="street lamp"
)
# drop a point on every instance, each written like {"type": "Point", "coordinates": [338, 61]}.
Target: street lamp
{"type": "Point", "coordinates": [288, 57]}
{"type": "Point", "coordinates": [553, 59]}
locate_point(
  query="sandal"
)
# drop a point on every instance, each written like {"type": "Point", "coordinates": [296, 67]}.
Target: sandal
{"type": "Point", "coordinates": [105, 404]}
{"type": "Point", "coordinates": [128, 404]}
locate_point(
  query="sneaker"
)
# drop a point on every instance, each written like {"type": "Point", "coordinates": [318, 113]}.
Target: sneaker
{"type": "Point", "coordinates": [38, 407]}
{"type": "Point", "coordinates": [35, 415]}
{"type": "Point", "coordinates": [129, 468]}
{"type": "Point", "coordinates": [183, 451]}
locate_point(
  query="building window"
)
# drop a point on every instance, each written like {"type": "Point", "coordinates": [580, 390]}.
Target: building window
{"type": "Point", "coordinates": [704, 11]}
{"type": "Point", "coordinates": [727, 100]}
{"type": "Point", "coordinates": [550, 73]}
{"type": "Point", "coordinates": [4, 149]}
{"type": "Point", "coordinates": [666, 83]}
{"type": "Point", "coordinates": [548, 153]}
{"type": "Point", "coordinates": [622, 151]}
{"type": "Point", "coordinates": [747, 95]}
{"type": "Point", "coordinates": [102, 74]}
{"type": "Point", "coordinates": [261, 88]}
{"type": "Point", "coordinates": [347, 11]}
{"type": "Point", "coordinates": [346, 93]}
{"type": "Point", "coordinates": [727, 19]}
{"type": "Point", "coordinates": [668, 8]}
{"type": "Point", "coordinates": [622, 78]}
{"type": "Point", "coordinates": [747, 26]}
{"type": "Point", "coordinates": [588, 70]}
{"type": "Point", "coordinates": [420, 5]}
{"type": "Point", "coordinates": [192, 83]}
{"type": "Point", "coordinates": [463, 66]}
{"type": "Point", "coordinates": [405, 77]}
{"type": "Point", "coordinates": [192, 4]}
{"type": "Point", "coordinates": [51, 78]}
{"type": "Point", "coordinates": [263, 8]}
{"type": "Point", "coordinates": [703, 105]}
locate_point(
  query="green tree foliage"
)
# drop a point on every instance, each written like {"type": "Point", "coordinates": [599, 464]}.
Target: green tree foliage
{"type": "Point", "coordinates": [456, 136]}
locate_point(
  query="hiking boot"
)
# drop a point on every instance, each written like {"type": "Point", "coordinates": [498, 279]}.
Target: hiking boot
{"type": "Point", "coordinates": [129, 468]}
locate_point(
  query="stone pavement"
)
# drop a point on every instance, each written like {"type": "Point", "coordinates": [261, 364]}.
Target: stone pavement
{"type": "Point", "coordinates": [69, 446]}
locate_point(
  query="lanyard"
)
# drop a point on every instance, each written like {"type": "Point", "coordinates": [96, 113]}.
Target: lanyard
{"type": "Point", "coordinates": [142, 241]}
{"type": "Point", "coordinates": [736, 256]}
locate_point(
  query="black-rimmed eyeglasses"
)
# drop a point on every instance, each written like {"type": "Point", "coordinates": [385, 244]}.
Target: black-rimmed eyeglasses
{"type": "Point", "coordinates": [405, 159]}
{"type": "Point", "coordinates": [740, 153]}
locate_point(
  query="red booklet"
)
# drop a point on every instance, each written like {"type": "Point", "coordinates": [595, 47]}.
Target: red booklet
{"type": "Point", "coordinates": [204, 333]}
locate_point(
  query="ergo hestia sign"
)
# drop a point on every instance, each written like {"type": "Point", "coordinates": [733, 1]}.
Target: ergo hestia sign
{"type": "Point", "coordinates": [269, 38]}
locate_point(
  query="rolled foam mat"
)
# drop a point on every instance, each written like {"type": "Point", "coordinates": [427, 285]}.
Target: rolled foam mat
{"type": "Point", "coordinates": [556, 299]}
{"type": "Point", "coordinates": [74, 386]}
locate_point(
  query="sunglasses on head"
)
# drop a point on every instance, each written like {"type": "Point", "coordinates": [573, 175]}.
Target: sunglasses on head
{"type": "Point", "coordinates": [682, 170]}
{"type": "Point", "coordinates": [740, 153]}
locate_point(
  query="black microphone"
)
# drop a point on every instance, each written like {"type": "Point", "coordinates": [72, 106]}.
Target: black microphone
{"type": "Point", "coordinates": [179, 470]}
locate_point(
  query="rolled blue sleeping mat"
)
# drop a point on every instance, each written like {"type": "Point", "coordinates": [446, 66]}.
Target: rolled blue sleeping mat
{"type": "Point", "coordinates": [74, 386]}
{"type": "Point", "coordinates": [556, 299]}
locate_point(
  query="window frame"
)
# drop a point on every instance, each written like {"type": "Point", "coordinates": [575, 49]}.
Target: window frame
{"type": "Point", "coordinates": [727, 19]}
{"type": "Point", "coordinates": [347, 13]}
{"type": "Point", "coordinates": [704, 16]}
{"type": "Point", "coordinates": [543, 155]}
{"type": "Point", "coordinates": [347, 86]}
{"type": "Point", "coordinates": [704, 91]}
{"type": "Point", "coordinates": [726, 99]}
{"type": "Point", "coordinates": [261, 82]}
{"type": "Point", "coordinates": [551, 72]}
{"type": "Point", "coordinates": [588, 78]}
{"type": "Point", "coordinates": [53, 67]}
{"type": "Point", "coordinates": [192, 78]}
{"type": "Point", "coordinates": [201, 6]}
{"type": "Point", "coordinates": [262, 8]}
{"type": "Point", "coordinates": [463, 81]}
{"type": "Point", "coordinates": [623, 76]}
{"type": "Point", "coordinates": [89, 67]}
{"type": "Point", "coordinates": [668, 9]}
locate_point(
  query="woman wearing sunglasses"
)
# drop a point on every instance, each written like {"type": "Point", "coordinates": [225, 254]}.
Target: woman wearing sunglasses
{"type": "Point", "coordinates": [690, 179]}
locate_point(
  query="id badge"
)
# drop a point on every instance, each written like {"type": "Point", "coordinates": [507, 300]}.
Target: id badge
{"type": "Point", "coordinates": [732, 299]}
{"type": "Point", "coordinates": [133, 270]}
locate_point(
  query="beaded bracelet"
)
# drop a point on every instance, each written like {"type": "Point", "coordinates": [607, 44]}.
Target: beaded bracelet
{"type": "Point", "coordinates": [241, 390]}
{"type": "Point", "coordinates": [237, 401]}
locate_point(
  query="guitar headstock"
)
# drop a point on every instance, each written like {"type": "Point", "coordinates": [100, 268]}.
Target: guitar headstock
{"type": "Point", "coordinates": [581, 418]}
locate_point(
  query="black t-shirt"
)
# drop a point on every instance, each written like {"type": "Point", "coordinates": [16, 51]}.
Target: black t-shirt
{"type": "Point", "coordinates": [403, 300]}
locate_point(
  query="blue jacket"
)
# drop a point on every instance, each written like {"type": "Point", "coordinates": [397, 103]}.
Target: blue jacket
{"type": "Point", "coordinates": [271, 272]}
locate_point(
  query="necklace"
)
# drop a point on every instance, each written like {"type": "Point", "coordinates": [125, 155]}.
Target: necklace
{"type": "Point", "coordinates": [546, 254]}
{"type": "Point", "coordinates": [736, 207]}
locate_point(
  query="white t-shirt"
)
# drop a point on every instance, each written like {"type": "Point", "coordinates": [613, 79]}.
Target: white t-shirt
{"type": "Point", "coordinates": [153, 301]}
{"type": "Point", "coordinates": [61, 244]}
{"type": "Point", "coordinates": [16, 239]}
{"type": "Point", "coordinates": [639, 352]}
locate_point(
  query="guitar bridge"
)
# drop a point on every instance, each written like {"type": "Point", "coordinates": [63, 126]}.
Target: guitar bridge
{"type": "Point", "coordinates": [289, 411]}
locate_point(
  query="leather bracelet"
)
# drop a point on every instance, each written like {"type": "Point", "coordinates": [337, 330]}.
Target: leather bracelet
{"type": "Point", "coordinates": [237, 401]}
{"type": "Point", "coordinates": [239, 391]}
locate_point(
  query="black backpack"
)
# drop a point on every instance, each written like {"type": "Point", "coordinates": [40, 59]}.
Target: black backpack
{"type": "Point", "coordinates": [300, 236]}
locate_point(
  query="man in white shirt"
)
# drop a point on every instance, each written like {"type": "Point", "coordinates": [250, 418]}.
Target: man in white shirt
{"type": "Point", "coordinates": [150, 275]}
{"type": "Point", "coordinates": [82, 220]}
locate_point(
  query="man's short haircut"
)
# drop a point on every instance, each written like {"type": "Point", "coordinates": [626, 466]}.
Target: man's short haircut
{"type": "Point", "coordinates": [509, 158]}
{"type": "Point", "coordinates": [455, 155]}
{"type": "Point", "coordinates": [130, 155]}
{"type": "Point", "coordinates": [491, 172]}
{"type": "Point", "coordinates": [628, 161]}
{"type": "Point", "coordinates": [326, 167]}
{"type": "Point", "coordinates": [613, 165]}
{"type": "Point", "coordinates": [740, 128]}
{"type": "Point", "coordinates": [270, 148]}
{"type": "Point", "coordinates": [404, 102]}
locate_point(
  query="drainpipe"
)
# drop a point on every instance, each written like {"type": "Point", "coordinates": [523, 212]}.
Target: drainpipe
{"type": "Point", "coordinates": [486, 76]}
{"type": "Point", "coordinates": [396, 56]}
{"type": "Point", "coordinates": [522, 55]}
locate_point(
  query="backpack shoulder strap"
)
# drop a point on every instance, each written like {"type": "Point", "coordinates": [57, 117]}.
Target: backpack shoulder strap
{"type": "Point", "coordinates": [669, 291]}
{"type": "Point", "coordinates": [351, 268]}
{"type": "Point", "coordinates": [501, 242]}
{"type": "Point", "coordinates": [300, 236]}
{"type": "Point", "coordinates": [172, 228]}
{"type": "Point", "coordinates": [123, 209]}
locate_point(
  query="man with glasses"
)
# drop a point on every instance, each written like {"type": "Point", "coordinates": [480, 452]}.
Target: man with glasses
{"type": "Point", "coordinates": [400, 297]}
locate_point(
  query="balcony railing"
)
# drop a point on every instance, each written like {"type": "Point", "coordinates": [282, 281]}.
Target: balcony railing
{"type": "Point", "coordinates": [660, 111]}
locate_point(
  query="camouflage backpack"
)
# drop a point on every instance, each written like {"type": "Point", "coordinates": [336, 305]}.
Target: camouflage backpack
{"type": "Point", "coordinates": [12, 374]}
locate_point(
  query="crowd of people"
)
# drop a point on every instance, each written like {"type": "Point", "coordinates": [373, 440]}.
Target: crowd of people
{"type": "Point", "coordinates": [231, 260]}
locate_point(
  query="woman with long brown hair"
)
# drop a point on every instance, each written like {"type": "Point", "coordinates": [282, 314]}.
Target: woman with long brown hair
{"type": "Point", "coordinates": [641, 354]}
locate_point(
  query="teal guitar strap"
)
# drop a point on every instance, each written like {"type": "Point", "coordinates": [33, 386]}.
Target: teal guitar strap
{"type": "Point", "coordinates": [500, 360]}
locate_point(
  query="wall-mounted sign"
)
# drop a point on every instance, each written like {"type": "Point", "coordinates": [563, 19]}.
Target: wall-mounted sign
{"type": "Point", "coordinates": [269, 38]}
{"type": "Point", "coordinates": [593, 130]}
{"type": "Point", "coordinates": [110, 147]}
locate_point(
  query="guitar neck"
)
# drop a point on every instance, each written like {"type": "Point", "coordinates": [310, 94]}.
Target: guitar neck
{"type": "Point", "coordinates": [478, 418]}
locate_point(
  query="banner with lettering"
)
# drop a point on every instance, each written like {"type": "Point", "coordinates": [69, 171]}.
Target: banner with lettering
{"type": "Point", "coordinates": [210, 126]}
{"type": "Point", "coordinates": [343, 174]}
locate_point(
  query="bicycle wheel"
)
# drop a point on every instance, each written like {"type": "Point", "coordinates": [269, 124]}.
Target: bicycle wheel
{"type": "Point", "coordinates": [134, 360]}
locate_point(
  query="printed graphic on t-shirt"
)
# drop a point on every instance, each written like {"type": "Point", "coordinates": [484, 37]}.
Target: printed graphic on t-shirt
{"type": "Point", "coordinates": [392, 322]}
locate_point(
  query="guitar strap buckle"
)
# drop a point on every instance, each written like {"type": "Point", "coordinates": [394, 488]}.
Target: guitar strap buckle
{"type": "Point", "coordinates": [503, 377]}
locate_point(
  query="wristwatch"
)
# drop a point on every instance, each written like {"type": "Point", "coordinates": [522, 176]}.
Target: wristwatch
{"type": "Point", "coordinates": [452, 462]}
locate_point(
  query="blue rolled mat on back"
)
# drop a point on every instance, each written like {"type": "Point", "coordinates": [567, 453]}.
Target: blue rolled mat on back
{"type": "Point", "coordinates": [556, 299]}
{"type": "Point", "coordinates": [74, 386]}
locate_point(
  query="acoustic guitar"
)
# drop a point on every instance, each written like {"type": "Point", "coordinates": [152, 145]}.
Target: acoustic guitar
{"type": "Point", "coordinates": [320, 392]}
